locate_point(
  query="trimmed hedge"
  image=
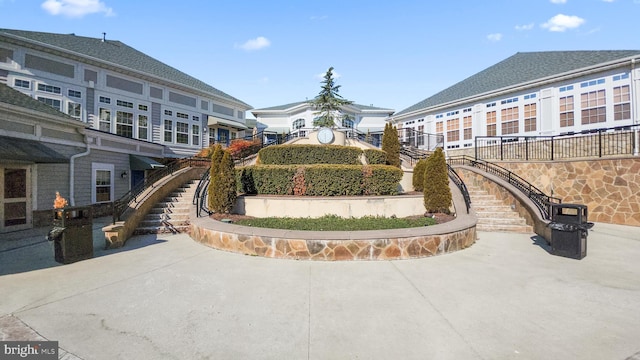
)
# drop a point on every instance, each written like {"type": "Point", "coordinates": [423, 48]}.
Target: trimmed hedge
{"type": "Point", "coordinates": [375, 156]}
{"type": "Point", "coordinates": [319, 180]}
{"type": "Point", "coordinates": [310, 154]}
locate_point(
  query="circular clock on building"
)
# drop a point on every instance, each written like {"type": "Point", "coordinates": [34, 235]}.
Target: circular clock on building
{"type": "Point", "coordinates": [325, 136]}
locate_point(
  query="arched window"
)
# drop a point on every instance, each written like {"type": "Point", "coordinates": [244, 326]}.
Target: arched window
{"type": "Point", "coordinates": [298, 124]}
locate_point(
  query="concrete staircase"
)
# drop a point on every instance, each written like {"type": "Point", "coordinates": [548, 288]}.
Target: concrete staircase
{"type": "Point", "coordinates": [171, 215]}
{"type": "Point", "coordinates": [493, 215]}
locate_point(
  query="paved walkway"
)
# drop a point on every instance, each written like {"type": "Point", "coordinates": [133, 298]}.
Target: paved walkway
{"type": "Point", "coordinates": [167, 297]}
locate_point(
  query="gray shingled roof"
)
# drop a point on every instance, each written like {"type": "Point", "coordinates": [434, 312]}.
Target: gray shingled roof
{"type": "Point", "coordinates": [16, 98]}
{"type": "Point", "coordinates": [287, 106]}
{"type": "Point", "coordinates": [121, 54]}
{"type": "Point", "coordinates": [520, 68]}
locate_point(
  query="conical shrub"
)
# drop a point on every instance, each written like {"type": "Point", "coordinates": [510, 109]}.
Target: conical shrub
{"type": "Point", "coordinates": [437, 194]}
{"type": "Point", "coordinates": [418, 175]}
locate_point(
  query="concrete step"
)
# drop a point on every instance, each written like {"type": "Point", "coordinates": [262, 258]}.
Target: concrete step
{"type": "Point", "coordinates": [161, 229]}
{"type": "Point", "coordinates": [502, 221]}
{"type": "Point", "coordinates": [496, 214]}
{"type": "Point", "coordinates": [167, 217]}
{"type": "Point", "coordinates": [524, 229]}
{"type": "Point", "coordinates": [491, 208]}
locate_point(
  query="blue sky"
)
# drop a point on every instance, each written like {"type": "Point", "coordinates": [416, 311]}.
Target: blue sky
{"type": "Point", "coordinates": [389, 54]}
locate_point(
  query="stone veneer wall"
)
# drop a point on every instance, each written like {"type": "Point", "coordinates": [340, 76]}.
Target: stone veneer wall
{"type": "Point", "coordinates": [315, 245]}
{"type": "Point", "coordinates": [609, 187]}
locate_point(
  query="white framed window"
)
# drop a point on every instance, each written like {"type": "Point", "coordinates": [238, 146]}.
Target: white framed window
{"type": "Point", "coordinates": [74, 110]}
{"type": "Point", "coordinates": [168, 131]}
{"type": "Point", "coordinates": [105, 100]}
{"type": "Point", "coordinates": [49, 88]}
{"type": "Point", "coordinates": [23, 84]}
{"type": "Point", "coordinates": [74, 93]}
{"type": "Point", "coordinates": [124, 124]}
{"type": "Point", "coordinates": [102, 188]}
{"type": "Point", "coordinates": [195, 134]}
{"type": "Point", "coordinates": [143, 127]}
{"type": "Point", "coordinates": [54, 103]}
{"type": "Point", "coordinates": [105, 120]}
{"type": "Point", "coordinates": [182, 133]}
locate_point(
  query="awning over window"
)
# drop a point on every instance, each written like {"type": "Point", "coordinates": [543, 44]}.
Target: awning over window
{"type": "Point", "coordinates": [13, 149]}
{"type": "Point", "coordinates": [137, 162]}
{"type": "Point", "coordinates": [212, 120]}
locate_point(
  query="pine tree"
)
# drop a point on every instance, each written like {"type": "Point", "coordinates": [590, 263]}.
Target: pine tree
{"type": "Point", "coordinates": [226, 192]}
{"type": "Point", "coordinates": [391, 145]}
{"type": "Point", "coordinates": [418, 175]}
{"type": "Point", "coordinates": [216, 158]}
{"type": "Point", "coordinates": [328, 103]}
{"type": "Point", "coordinates": [437, 194]}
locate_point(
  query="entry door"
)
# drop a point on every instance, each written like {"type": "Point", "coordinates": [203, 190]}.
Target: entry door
{"type": "Point", "coordinates": [15, 198]}
{"type": "Point", "coordinates": [223, 136]}
{"type": "Point", "coordinates": [137, 178]}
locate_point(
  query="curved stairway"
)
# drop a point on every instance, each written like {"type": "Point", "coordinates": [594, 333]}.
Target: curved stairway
{"type": "Point", "coordinates": [170, 215]}
{"type": "Point", "coordinates": [494, 215]}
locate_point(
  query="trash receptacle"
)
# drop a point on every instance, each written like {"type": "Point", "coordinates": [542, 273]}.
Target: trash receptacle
{"type": "Point", "coordinates": [569, 230]}
{"type": "Point", "coordinates": [72, 234]}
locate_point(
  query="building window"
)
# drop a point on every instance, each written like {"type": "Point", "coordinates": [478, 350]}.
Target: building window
{"type": "Point", "coordinates": [195, 134]}
{"type": "Point", "coordinates": [453, 129]}
{"type": "Point", "coordinates": [347, 123]}
{"type": "Point", "coordinates": [439, 127]}
{"type": "Point", "coordinates": [105, 100]}
{"type": "Point", "coordinates": [74, 93]}
{"type": "Point", "coordinates": [621, 77]}
{"type": "Point", "coordinates": [593, 105]}
{"type": "Point", "coordinates": [182, 133]}
{"type": "Point", "coordinates": [168, 112]}
{"type": "Point", "coordinates": [298, 124]}
{"type": "Point", "coordinates": [124, 124]}
{"type": "Point", "coordinates": [168, 131]}
{"type": "Point", "coordinates": [491, 123]}
{"type": "Point", "coordinates": [621, 104]}
{"type": "Point", "coordinates": [54, 103]}
{"type": "Point", "coordinates": [530, 115]}
{"type": "Point", "coordinates": [49, 89]}
{"type": "Point", "coordinates": [123, 103]}
{"type": "Point", "coordinates": [22, 84]}
{"type": "Point", "coordinates": [182, 115]}
{"type": "Point", "coordinates": [467, 124]}
{"type": "Point", "coordinates": [105, 120]}
{"type": "Point", "coordinates": [591, 83]}
{"type": "Point", "coordinates": [420, 135]}
{"type": "Point", "coordinates": [234, 135]}
{"type": "Point", "coordinates": [143, 127]}
{"type": "Point", "coordinates": [509, 120]}
{"type": "Point", "coordinates": [102, 190]}
{"type": "Point", "coordinates": [566, 88]}
{"type": "Point", "coordinates": [566, 111]}
{"type": "Point", "coordinates": [143, 107]}
{"type": "Point", "coordinates": [74, 110]}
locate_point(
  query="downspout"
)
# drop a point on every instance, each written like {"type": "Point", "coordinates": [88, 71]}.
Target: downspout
{"type": "Point", "coordinates": [72, 171]}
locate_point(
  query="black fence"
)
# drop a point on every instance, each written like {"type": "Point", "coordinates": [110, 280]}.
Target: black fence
{"type": "Point", "coordinates": [542, 201]}
{"type": "Point", "coordinates": [121, 205]}
{"type": "Point", "coordinates": [615, 141]}
{"type": "Point", "coordinates": [421, 140]}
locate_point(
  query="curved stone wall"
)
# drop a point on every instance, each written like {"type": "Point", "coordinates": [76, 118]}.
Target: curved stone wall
{"type": "Point", "coordinates": [340, 245]}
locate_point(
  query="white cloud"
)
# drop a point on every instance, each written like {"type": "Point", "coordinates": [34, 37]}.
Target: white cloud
{"type": "Point", "coordinates": [494, 37]}
{"type": "Point", "coordinates": [258, 43]}
{"type": "Point", "coordinates": [525, 27]}
{"type": "Point", "coordinates": [561, 22]}
{"type": "Point", "coordinates": [76, 8]}
{"type": "Point", "coordinates": [558, 1]}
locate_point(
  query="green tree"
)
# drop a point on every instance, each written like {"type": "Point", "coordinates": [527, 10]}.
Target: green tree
{"type": "Point", "coordinates": [214, 170]}
{"type": "Point", "coordinates": [328, 103]}
{"type": "Point", "coordinates": [437, 194]}
{"type": "Point", "coordinates": [226, 193]}
{"type": "Point", "coordinates": [418, 175]}
{"type": "Point", "coordinates": [391, 145]}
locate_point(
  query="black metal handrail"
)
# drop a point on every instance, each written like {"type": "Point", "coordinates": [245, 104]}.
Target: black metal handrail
{"type": "Point", "coordinates": [453, 175]}
{"type": "Point", "coordinates": [119, 206]}
{"type": "Point", "coordinates": [420, 139]}
{"type": "Point", "coordinates": [542, 201]}
{"type": "Point", "coordinates": [200, 198]}
{"type": "Point", "coordinates": [619, 140]}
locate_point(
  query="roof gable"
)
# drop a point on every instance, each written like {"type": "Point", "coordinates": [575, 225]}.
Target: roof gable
{"type": "Point", "coordinates": [16, 98]}
{"type": "Point", "coordinates": [292, 105]}
{"type": "Point", "coordinates": [520, 68]}
{"type": "Point", "coordinates": [121, 54]}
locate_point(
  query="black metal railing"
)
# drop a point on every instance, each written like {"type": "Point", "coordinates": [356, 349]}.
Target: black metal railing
{"type": "Point", "coordinates": [413, 155]}
{"type": "Point", "coordinates": [120, 206]}
{"type": "Point", "coordinates": [201, 196]}
{"type": "Point", "coordinates": [453, 175]}
{"type": "Point", "coordinates": [542, 201]}
{"type": "Point", "coordinates": [419, 139]}
{"type": "Point", "coordinates": [621, 140]}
